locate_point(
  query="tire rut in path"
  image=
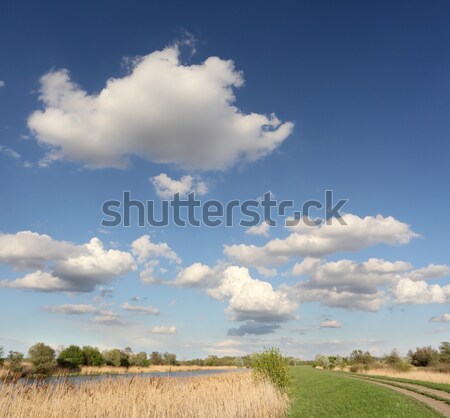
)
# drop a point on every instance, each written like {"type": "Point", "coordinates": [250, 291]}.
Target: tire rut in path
{"type": "Point", "coordinates": [434, 392]}
{"type": "Point", "coordinates": [438, 406]}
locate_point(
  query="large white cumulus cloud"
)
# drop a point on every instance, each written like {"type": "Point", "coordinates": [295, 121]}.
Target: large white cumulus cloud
{"type": "Point", "coordinates": [62, 265]}
{"type": "Point", "coordinates": [66, 266]}
{"type": "Point", "coordinates": [252, 299]}
{"type": "Point", "coordinates": [307, 241]}
{"type": "Point", "coordinates": [163, 111]}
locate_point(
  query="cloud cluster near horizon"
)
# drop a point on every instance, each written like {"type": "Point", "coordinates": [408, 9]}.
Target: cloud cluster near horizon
{"type": "Point", "coordinates": [260, 307]}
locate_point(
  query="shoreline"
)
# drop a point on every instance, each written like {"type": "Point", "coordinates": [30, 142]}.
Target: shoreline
{"type": "Point", "coordinates": [116, 371]}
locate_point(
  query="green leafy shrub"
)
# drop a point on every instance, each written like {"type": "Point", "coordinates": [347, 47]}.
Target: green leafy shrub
{"type": "Point", "coordinates": [322, 361]}
{"type": "Point", "coordinates": [139, 359]}
{"type": "Point", "coordinates": [116, 357]}
{"type": "Point", "coordinates": [423, 356]}
{"type": "Point", "coordinates": [15, 361]}
{"type": "Point", "coordinates": [71, 357]}
{"type": "Point", "coordinates": [92, 356]}
{"type": "Point", "coordinates": [271, 365]}
{"type": "Point", "coordinates": [359, 356]}
{"type": "Point", "coordinates": [42, 358]}
{"type": "Point", "coordinates": [444, 352]}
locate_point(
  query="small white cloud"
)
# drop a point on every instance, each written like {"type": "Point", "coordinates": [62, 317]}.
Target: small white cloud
{"type": "Point", "coordinates": [226, 347]}
{"type": "Point", "coordinates": [195, 275]}
{"type": "Point", "coordinates": [109, 320]}
{"type": "Point", "coordinates": [143, 249]}
{"type": "Point", "coordinates": [441, 318]}
{"type": "Point", "coordinates": [330, 324]}
{"type": "Point", "coordinates": [2, 84]}
{"type": "Point", "coordinates": [164, 330]}
{"type": "Point", "coordinates": [9, 152]}
{"type": "Point", "coordinates": [146, 310]}
{"type": "Point", "coordinates": [261, 229]}
{"type": "Point", "coordinates": [77, 309]}
{"type": "Point", "coordinates": [165, 187]}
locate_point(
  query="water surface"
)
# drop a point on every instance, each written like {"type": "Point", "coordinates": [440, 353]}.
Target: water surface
{"type": "Point", "coordinates": [92, 378]}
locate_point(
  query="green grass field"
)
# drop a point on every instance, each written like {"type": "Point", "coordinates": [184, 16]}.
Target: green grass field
{"type": "Point", "coordinates": [318, 393]}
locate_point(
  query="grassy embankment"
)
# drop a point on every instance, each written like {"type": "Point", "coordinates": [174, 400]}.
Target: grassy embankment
{"type": "Point", "coordinates": [319, 393]}
{"type": "Point", "coordinates": [231, 395]}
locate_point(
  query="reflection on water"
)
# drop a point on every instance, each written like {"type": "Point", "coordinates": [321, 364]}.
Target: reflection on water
{"type": "Point", "coordinates": [92, 378]}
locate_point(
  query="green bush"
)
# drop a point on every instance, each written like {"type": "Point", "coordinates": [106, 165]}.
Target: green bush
{"type": "Point", "coordinates": [359, 356]}
{"type": "Point", "coordinates": [42, 358]}
{"type": "Point", "coordinates": [423, 356]}
{"type": "Point", "coordinates": [444, 352]}
{"type": "Point", "coordinates": [15, 361]}
{"type": "Point", "coordinates": [271, 365]}
{"type": "Point", "coordinates": [92, 356]}
{"type": "Point", "coordinates": [139, 359]}
{"type": "Point", "coordinates": [322, 361]}
{"type": "Point", "coordinates": [71, 357]}
{"type": "Point", "coordinates": [116, 358]}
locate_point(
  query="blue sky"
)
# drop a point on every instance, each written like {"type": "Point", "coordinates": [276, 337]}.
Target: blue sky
{"type": "Point", "coordinates": [98, 99]}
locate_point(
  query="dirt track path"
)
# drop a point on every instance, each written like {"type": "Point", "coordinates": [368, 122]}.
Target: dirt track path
{"type": "Point", "coordinates": [435, 392]}
{"type": "Point", "coordinates": [438, 406]}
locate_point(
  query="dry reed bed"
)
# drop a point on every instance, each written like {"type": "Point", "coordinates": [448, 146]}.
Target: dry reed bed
{"type": "Point", "coordinates": [93, 370]}
{"type": "Point", "coordinates": [235, 395]}
{"type": "Point", "coordinates": [100, 370]}
{"type": "Point", "coordinates": [426, 376]}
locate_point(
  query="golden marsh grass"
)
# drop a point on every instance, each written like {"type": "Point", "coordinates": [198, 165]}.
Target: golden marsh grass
{"type": "Point", "coordinates": [235, 395]}
{"type": "Point", "coordinates": [426, 376]}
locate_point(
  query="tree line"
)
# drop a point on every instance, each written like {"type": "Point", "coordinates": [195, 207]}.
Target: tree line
{"type": "Point", "coordinates": [358, 360]}
{"type": "Point", "coordinates": [45, 360]}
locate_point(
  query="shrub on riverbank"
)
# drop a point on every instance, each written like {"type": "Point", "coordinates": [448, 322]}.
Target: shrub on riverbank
{"type": "Point", "coordinates": [42, 358]}
{"type": "Point", "coordinates": [271, 365]}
